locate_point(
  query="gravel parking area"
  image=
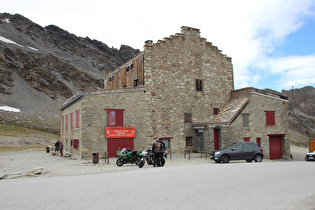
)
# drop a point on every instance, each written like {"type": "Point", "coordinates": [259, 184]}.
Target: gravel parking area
{"type": "Point", "coordinates": [30, 163]}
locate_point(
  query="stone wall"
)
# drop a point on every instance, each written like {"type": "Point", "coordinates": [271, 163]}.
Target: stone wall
{"type": "Point", "coordinates": [257, 122]}
{"type": "Point", "coordinates": [93, 120]}
{"type": "Point", "coordinates": [70, 133]}
{"type": "Point", "coordinates": [172, 66]}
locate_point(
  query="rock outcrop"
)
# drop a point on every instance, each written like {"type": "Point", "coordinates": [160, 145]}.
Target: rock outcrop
{"type": "Point", "coordinates": [51, 62]}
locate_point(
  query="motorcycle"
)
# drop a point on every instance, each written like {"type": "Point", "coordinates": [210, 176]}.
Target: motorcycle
{"type": "Point", "coordinates": [148, 156]}
{"type": "Point", "coordinates": [128, 156]}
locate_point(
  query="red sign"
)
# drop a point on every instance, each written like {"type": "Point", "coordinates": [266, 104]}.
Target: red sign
{"type": "Point", "coordinates": [120, 132]}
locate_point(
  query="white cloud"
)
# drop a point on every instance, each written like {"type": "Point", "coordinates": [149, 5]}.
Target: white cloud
{"type": "Point", "coordinates": [295, 71]}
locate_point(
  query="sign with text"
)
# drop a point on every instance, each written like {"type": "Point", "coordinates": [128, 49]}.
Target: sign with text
{"type": "Point", "coordinates": [120, 132]}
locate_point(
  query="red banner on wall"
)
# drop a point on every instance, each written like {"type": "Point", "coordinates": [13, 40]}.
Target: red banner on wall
{"type": "Point", "coordinates": [120, 132]}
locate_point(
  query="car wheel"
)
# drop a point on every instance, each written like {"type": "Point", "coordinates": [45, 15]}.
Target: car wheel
{"type": "Point", "coordinates": [248, 161]}
{"type": "Point", "coordinates": [225, 159]}
{"type": "Point", "coordinates": [258, 158]}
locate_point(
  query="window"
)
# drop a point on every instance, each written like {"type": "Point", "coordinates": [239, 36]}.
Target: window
{"type": "Point", "coordinates": [238, 147]}
{"type": "Point", "coordinates": [75, 143]}
{"type": "Point", "coordinates": [115, 117]}
{"type": "Point", "coordinates": [71, 120]}
{"type": "Point", "coordinates": [77, 118]}
{"type": "Point", "coordinates": [188, 141]}
{"type": "Point", "coordinates": [258, 141]}
{"type": "Point", "coordinates": [216, 111]}
{"type": "Point", "coordinates": [270, 118]}
{"type": "Point", "coordinates": [63, 123]}
{"type": "Point", "coordinates": [246, 139]}
{"type": "Point", "coordinates": [198, 84]}
{"type": "Point", "coordinates": [166, 142]}
{"type": "Point", "coordinates": [136, 82]}
{"type": "Point", "coordinates": [187, 117]}
{"type": "Point", "coordinates": [67, 119]}
{"type": "Point", "coordinates": [245, 120]}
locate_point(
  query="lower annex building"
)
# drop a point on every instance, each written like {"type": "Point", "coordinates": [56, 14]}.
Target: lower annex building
{"type": "Point", "coordinates": [181, 89]}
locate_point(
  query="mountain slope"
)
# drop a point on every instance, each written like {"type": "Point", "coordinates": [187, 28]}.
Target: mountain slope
{"type": "Point", "coordinates": [41, 67]}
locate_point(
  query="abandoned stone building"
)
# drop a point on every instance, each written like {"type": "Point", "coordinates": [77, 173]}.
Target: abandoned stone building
{"type": "Point", "coordinates": [181, 89]}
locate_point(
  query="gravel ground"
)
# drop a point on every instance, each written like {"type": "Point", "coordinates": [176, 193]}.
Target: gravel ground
{"type": "Point", "coordinates": [18, 164]}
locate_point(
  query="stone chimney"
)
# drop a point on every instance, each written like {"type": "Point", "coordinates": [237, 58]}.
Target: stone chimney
{"type": "Point", "coordinates": [148, 43]}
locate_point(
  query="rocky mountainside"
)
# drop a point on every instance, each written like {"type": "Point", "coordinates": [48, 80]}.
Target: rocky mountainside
{"type": "Point", "coordinates": [301, 114]}
{"type": "Point", "coordinates": [42, 66]}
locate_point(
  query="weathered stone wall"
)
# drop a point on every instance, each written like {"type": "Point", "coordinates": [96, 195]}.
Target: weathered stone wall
{"type": "Point", "coordinates": [94, 118]}
{"type": "Point", "coordinates": [257, 122]}
{"type": "Point", "coordinates": [68, 134]}
{"type": "Point", "coordinates": [171, 69]}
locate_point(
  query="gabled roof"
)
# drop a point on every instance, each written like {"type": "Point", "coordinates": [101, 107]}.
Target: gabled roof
{"type": "Point", "coordinates": [238, 101]}
{"type": "Point", "coordinates": [230, 111]}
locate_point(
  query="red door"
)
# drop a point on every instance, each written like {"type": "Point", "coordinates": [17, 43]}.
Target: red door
{"type": "Point", "coordinates": [275, 147]}
{"type": "Point", "coordinates": [118, 144]}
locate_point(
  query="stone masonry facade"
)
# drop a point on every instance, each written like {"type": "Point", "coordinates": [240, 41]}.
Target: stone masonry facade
{"type": "Point", "coordinates": [171, 68]}
{"type": "Point", "coordinates": [174, 89]}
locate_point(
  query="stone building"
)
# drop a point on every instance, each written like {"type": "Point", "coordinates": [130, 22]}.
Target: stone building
{"type": "Point", "coordinates": [181, 89]}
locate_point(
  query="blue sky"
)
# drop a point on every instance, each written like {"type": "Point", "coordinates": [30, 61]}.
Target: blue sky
{"type": "Point", "coordinates": [271, 42]}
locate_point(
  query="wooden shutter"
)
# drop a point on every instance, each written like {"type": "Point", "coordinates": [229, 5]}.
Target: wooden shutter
{"type": "Point", "coordinates": [270, 117]}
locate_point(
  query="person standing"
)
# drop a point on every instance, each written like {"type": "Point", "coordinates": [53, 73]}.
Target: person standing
{"type": "Point", "coordinates": [158, 151]}
{"type": "Point", "coordinates": [61, 148]}
{"type": "Point", "coordinates": [57, 147]}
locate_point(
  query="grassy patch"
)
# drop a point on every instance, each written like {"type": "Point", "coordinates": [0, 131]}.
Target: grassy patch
{"type": "Point", "coordinates": [21, 148]}
{"type": "Point", "coordinates": [11, 129]}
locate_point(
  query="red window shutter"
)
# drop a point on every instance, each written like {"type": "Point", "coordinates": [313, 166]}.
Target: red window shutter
{"type": "Point", "coordinates": [77, 118]}
{"type": "Point", "coordinates": [258, 141]}
{"type": "Point", "coordinates": [246, 139]}
{"type": "Point", "coordinates": [270, 118]}
{"type": "Point", "coordinates": [119, 118]}
{"type": "Point", "coordinates": [67, 119]}
{"type": "Point", "coordinates": [63, 123]}
{"type": "Point", "coordinates": [71, 120]}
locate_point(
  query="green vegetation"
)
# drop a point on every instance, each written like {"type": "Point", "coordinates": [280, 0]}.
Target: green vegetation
{"type": "Point", "coordinates": [12, 129]}
{"type": "Point", "coordinates": [21, 148]}
{"type": "Point", "coordinates": [17, 137]}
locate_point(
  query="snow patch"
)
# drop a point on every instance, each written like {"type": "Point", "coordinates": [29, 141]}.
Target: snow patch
{"type": "Point", "coordinates": [6, 20]}
{"type": "Point", "coordinates": [32, 48]}
{"type": "Point", "coordinates": [9, 41]}
{"type": "Point", "coordinates": [10, 109]}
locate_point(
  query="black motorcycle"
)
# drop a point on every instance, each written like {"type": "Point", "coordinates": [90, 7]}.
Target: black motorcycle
{"type": "Point", "coordinates": [148, 156]}
{"type": "Point", "coordinates": [128, 156]}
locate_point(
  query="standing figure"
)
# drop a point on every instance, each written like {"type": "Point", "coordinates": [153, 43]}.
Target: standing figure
{"type": "Point", "coordinates": [158, 150]}
{"type": "Point", "coordinates": [61, 148]}
{"type": "Point", "coordinates": [57, 147]}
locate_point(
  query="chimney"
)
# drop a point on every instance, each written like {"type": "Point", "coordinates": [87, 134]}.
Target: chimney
{"type": "Point", "coordinates": [148, 43]}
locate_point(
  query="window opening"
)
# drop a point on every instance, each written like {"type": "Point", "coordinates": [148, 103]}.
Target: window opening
{"type": "Point", "coordinates": [216, 111]}
{"type": "Point", "coordinates": [198, 84]}
{"type": "Point", "coordinates": [245, 120]}
{"type": "Point", "coordinates": [115, 117]}
{"type": "Point", "coordinates": [188, 141]}
{"type": "Point", "coordinates": [187, 117]}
